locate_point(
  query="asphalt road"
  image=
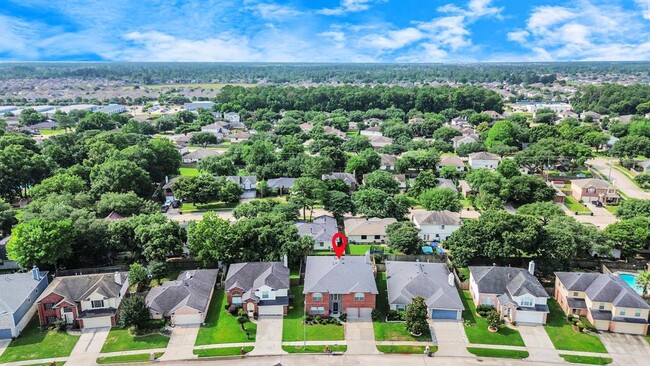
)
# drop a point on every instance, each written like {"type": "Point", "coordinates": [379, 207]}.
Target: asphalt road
{"type": "Point", "coordinates": [619, 180]}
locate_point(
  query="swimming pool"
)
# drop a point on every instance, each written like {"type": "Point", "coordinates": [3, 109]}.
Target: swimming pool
{"type": "Point", "coordinates": [630, 279]}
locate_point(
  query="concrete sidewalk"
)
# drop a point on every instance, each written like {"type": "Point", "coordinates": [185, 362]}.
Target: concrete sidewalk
{"type": "Point", "coordinates": [360, 336]}
{"type": "Point", "coordinates": [539, 345]}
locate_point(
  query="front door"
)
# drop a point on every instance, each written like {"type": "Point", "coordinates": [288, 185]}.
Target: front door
{"type": "Point", "coordinates": [335, 304]}
{"type": "Point", "coordinates": [68, 315]}
{"type": "Point", "coordinates": [335, 307]}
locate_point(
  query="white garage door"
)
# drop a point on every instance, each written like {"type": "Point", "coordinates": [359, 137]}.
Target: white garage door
{"type": "Point", "coordinates": [353, 313]}
{"type": "Point", "coordinates": [365, 312]}
{"type": "Point", "coordinates": [187, 319]}
{"type": "Point", "coordinates": [104, 321]}
{"type": "Point", "coordinates": [271, 310]}
{"type": "Point", "coordinates": [530, 317]}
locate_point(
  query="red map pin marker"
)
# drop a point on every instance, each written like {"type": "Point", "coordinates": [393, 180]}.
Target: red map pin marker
{"type": "Point", "coordinates": [339, 249]}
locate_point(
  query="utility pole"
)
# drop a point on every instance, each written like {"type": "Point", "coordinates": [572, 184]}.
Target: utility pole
{"type": "Point", "coordinates": [304, 324]}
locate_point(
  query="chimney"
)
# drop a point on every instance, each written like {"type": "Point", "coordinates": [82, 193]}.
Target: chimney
{"type": "Point", "coordinates": [166, 179]}
{"type": "Point", "coordinates": [285, 261]}
{"type": "Point", "coordinates": [188, 275]}
{"type": "Point", "coordinates": [531, 267]}
{"type": "Point", "coordinates": [36, 274]}
{"type": "Point", "coordinates": [118, 278]}
{"type": "Point", "coordinates": [450, 279]}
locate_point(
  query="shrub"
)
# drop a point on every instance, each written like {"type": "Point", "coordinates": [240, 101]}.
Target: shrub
{"type": "Point", "coordinates": [482, 313]}
{"type": "Point", "coordinates": [484, 308]}
{"type": "Point", "coordinates": [416, 316]}
{"type": "Point", "coordinates": [318, 319]}
{"type": "Point", "coordinates": [232, 310]}
{"type": "Point", "coordinates": [375, 315]}
{"type": "Point", "coordinates": [493, 319]}
{"type": "Point", "coordinates": [256, 315]}
{"type": "Point", "coordinates": [569, 318]}
{"type": "Point", "coordinates": [227, 307]}
{"type": "Point", "coordinates": [343, 317]}
{"type": "Point", "coordinates": [60, 325]}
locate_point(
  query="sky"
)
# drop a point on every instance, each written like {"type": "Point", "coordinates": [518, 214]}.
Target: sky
{"type": "Point", "coordinates": [400, 31]}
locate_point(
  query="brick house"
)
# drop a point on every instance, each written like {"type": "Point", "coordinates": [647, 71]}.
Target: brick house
{"type": "Point", "coordinates": [336, 286]}
{"type": "Point", "coordinates": [588, 190]}
{"type": "Point", "coordinates": [91, 301]}
{"type": "Point", "coordinates": [259, 287]}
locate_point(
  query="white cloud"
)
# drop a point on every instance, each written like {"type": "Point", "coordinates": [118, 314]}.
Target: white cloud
{"type": "Point", "coordinates": [393, 39]}
{"type": "Point", "coordinates": [334, 36]}
{"type": "Point", "coordinates": [348, 6]}
{"type": "Point", "coordinates": [644, 5]}
{"type": "Point", "coordinates": [475, 9]}
{"type": "Point", "coordinates": [276, 12]}
{"type": "Point", "coordinates": [518, 36]}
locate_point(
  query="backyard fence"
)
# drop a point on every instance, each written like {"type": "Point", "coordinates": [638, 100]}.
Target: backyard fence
{"type": "Point", "coordinates": [93, 270]}
{"type": "Point", "coordinates": [414, 258]}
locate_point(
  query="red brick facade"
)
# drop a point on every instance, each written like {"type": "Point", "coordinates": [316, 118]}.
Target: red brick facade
{"type": "Point", "coordinates": [347, 301]}
{"type": "Point", "coordinates": [56, 312]}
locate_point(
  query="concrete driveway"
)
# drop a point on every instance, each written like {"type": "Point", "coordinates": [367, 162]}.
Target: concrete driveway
{"type": "Point", "coordinates": [268, 340]}
{"type": "Point", "coordinates": [360, 337]}
{"type": "Point", "coordinates": [181, 343]}
{"type": "Point", "coordinates": [618, 179]}
{"type": "Point", "coordinates": [88, 346]}
{"type": "Point", "coordinates": [538, 343]}
{"type": "Point", "coordinates": [626, 349]}
{"type": "Point", "coordinates": [450, 337]}
{"type": "Point", "coordinates": [4, 343]}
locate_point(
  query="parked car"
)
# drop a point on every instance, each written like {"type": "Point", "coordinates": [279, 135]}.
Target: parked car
{"type": "Point", "coordinates": [176, 203]}
{"type": "Point", "coordinates": [164, 208]}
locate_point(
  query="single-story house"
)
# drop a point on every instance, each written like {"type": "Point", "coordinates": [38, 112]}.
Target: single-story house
{"type": "Point", "coordinates": [348, 178]}
{"type": "Point", "coordinates": [259, 287]}
{"type": "Point", "coordinates": [452, 161]}
{"type": "Point", "coordinates": [432, 281]}
{"type": "Point", "coordinates": [371, 131]}
{"type": "Point", "coordinates": [387, 162]}
{"type": "Point", "coordinates": [446, 183]}
{"type": "Point", "coordinates": [281, 185]}
{"type": "Point", "coordinates": [17, 305]}
{"type": "Point", "coordinates": [238, 137]}
{"type": "Point", "coordinates": [378, 142]}
{"type": "Point", "coordinates": [335, 286]}
{"type": "Point", "coordinates": [184, 300]}
{"type": "Point", "coordinates": [460, 140]}
{"type": "Point", "coordinates": [197, 155]}
{"type": "Point", "coordinates": [368, 230]}
{"type": "Point", "coordinates": [321, 229]}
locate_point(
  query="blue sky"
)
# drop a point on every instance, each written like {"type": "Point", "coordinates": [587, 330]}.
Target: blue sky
{"type": "Point", "coordinates": [324, 30]}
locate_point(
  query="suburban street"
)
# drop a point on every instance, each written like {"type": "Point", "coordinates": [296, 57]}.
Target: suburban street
{"type": "Point", "coordinates": [619, 180]}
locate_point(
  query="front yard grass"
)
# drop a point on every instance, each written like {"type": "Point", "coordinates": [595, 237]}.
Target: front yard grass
{"type": "Point", "coordinates": [499, 353]}
{"type": "Point", "coordinates": [418, 350]}
{"type": "Point", "coordinates": [216, 352]}
{"type": "Point", "coordinates": [574, 206]}
{"type": "Point", "coordinates": [34, 344]}
{"type": "Point", "coordinates": [292, 327]}
{"type": "Point", "coordinates": [211, 206]}
{"type": "Point", "coordinates": [393, 331]}
{"type": "Point", "coordinates": [221, 326]}
{"type": "Point", "coordinates": [140, 357]}
{"type": "Point", "coordinates": [476, 327]}
{"type": "Point", "coordinates": [313, 349]}
{"type": "Point", "coordinates": [564, 337]}
{"type": "Point", "coordinates": [359, 249]}
{"type": "Point", "coordinates": [189, 171]}
{"type": "Point", "coordinates": [119, 339]}
{"type": "Point", "coordinates": [589, 360]}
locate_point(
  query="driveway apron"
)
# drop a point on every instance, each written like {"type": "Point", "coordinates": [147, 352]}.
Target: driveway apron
{"type": "Point", "coordinates": [626, 349]}
{"type": "Point", "coordinates": [450, 338]}
{"type": "Point", "coordinates": [181, 343]}
{"type": "Point", "coordinates": [360, 337]}
{"type": "Point", "coordinates": [268, 340]}
{"type": "Point", "coordinates": [539, 345]}
{"type": "Point", "coordinates": [88, 346]}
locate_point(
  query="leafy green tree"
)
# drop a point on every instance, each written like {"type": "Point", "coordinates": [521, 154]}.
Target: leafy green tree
{"type": "Point", "coordinates": [356, 144]}
{"type": "Point", "coordinates": [138, 275]}
{"type": "Point", "coordinates": [305, 192]}
{"type": "Point", "coordinates": [642, 179]}
{"type": "Point", "coordinates": [119, 176]}
{"type": "Point", "coordinates": [20, 168]}
{"type": "Point", "coordinates": [503, 132]}
{"type": "Point", "coordinates": [468, 148]}
{"type": "Point", "coordinates": [595, 139]}
{"type": "Point", "coordinates": [198, 189]}
{"type": "Point", "coordinates": [404, 237]}
{"type": "Point", "coordinates": [416, 316]}
{"type": "Point", "coordinates": [382, 180]}
{"type": "Point", "coordinates": [29, 116]}
{"type": "Point", "coordinates": [59, 183]}
{"type": "Point", "coordinates": [418, 160]}
{"type": "Point", "coordinates": [508, 168]}
{"type": "Point", "coordinates": [544, 211]}
{"type": "Point", "coordinates": [528, 189]}
{"type": "Point", "coordinates": [373, 202]}
{"type": "Point", "coordinates": [218, 165]}
{"type": "Point", "coordinates": [630, 236]}
{"type": "Point", "coordinates": [212, 239]}
{"type": "Point", "coordinates": [439, 199]}
{"type": "Point", "coordinates": [316, 166]}
{"type": "Point", "coordinates": [502, 149]}
{"type": "Point", "coordinates": [449, 172]}
{"type": "Point", "coordinates": [446, 133]}
{"type": "Point", "coordinates": [125, 204]}
{"type": "Point", "coordinates": [365, 162]}
{"type": "Point", "coordinates": [95, 121]}
{"type": "Point", "coordinates": [134, 312]}
{"type": "Point", "coordinates": [643, 280]}
{"type": "Point", "coordinates": [230, 192]}
{"type": "Point", "coordinates": [631, 147]}
{"type": "Point", "coordinates": [338, 203]}
{"type": "Point", "coordinates": [424, 181]}
{"type": "Point", "coordinates": [37, 241]}
{"type": "Point", "coordinates": [7, 218]}
{"type": "Point", "coordinates": [338, 157]}
{"type": "Point", "coordinates": [204, 139]}
{"type": "Point", "coordinates": [160, 240]}
{"type": "Point", "coordinates": [630, 208]}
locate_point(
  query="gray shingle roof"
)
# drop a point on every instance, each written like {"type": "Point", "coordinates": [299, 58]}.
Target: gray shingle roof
{"type": "Point", "coordinates": [15, 288]}
{"type": "Point", "coordinates": [201, 154]}
{"type": "Point", "coordinates": [407, 280]}
{"type": "Point", "coordinates": [191, 288]}
{"type": "Point", "coordinates": [250, 276]}
{"type": "Point", "coordinates": [592, 182]}
{"type": "Point", "coordinates": [348, 178]}
{"type": "Point", "coordinates": [604, 288]}
{"type": "Point", "coordinates": [369, 226]}
{"type": "Point", "coordinates": [436, 217]}
{"type": "Point", "coordinates": [344, 276]}
{"type": "Point", "coordinates": [483, 155]}
{"type": "Point", "coordinates": [78, 288]}
{"type": "Point", "coordinates": [281, 183]}
{"type": "Point", "coordinates": [322, 229]}
{"type": "Point", "coordinates": [500, 280]}
{"type": "Point", "coordinates": [446, 183]}
{"type": "Point", "coordinates": [451, 160]}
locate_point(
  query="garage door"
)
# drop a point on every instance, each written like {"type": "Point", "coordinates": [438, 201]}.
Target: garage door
{"type": "Point", "coordinates": [104, 321]}
{"type": "Point", "coordinates": [356, 313]}
{"type": "Point", "coordinates": [530, 317]}
{"type": "Point", "coordinates": [353, 313]}
{"type": "Point", "coordinates": [187, 319]}
{"type": "Point", "coordinates": [271, 310]}
{"type": "Point", "coordinates": [444, 314]}
{"type": "Point", "coordinates": [5, 333]}
{"type": "Point", "coordinates": [365, 312]}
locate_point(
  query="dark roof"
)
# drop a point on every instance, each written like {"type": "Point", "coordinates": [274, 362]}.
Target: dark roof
{"type": "Point", "coordinates": [78, 288]}
{"type": "Point", "coordinates": [191, 288]}
{"type": "Point", "coordinates": [601, 314]}
{"type": "Point", "coordinates": [511, 280]}
{"type": "Point", "coordinates": [406, 280]}
{"type": "Point", "coordinates": [603, 288]}
{"type": "Point", "coordinates": [322, 229]}
{"type": "Point", "coordinates": [281, 182]}
{"type": "Point", "coordinates": [347, 177]}
{"type": "Point", "coordinates": [339, 276]}
{"type": "Point", "coordinates": [576, 303]}
{"type": "Point", "coordinates": [250, 276]}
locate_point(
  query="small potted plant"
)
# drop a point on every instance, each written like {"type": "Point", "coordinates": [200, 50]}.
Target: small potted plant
{"type": "Point", "coordinates": [493, 319]}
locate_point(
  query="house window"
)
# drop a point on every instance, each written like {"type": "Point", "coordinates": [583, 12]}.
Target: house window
{"type": "Point", "coordinates": [377, 237]}
{"type": "Point", "coordinates": [48, 305]}
{"type": "Point", "coordinates": [527, 301]}
{"type": "Point", "coordinates": [50, 319]}
{"type": "Point", "coordinates": [591, 190]}
{"type": "Point", "coordinates": [321, 244]}
{"type": "Point", "coordinates": [575, 294]}
{"type": "Point", "coordinates": [317, 310]}
{"type": "Point", "coordinates": [265, 294]}
{"type": "Point", "coordinates": [364, 237]}
{"type": "Point", "coordinates": [622, 313]}
{"type": "Point", "coordinates": [637, 313]}
{"type": "Point", "coordinates": [359, 296]}
{"type": "Point", "coordinates": [98, 304]}
{"type": "Point", "coordinates": [236, 300]}
{"type": "Point", "coordinates": [317, 296]}
{"type": "Point", "coordinates": [442, 227]}
{"type": "Point", "coordinates": [601, 306]}
{"type": "Point", "coordinates": [487, 301]}
{"type": "Point", "coordinates": [400, 307]}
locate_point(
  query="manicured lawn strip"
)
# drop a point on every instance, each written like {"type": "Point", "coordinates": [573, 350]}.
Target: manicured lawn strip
{"type": "Point", "coordinates": [189, 172]}
{"type": "Point", "coordinates": [477, 331]}
{"type": "Point", "coordinates": [221, 326]}
{"type": "Point", "coordinates": [216, 352]}
{"type": "Point", "coordinates": [292, 327]}
{"type": "Point", "coordinates": [140, 357]}
{"type": "Point", "coordinates": [385, 331]}
{"type": "Point", "coordinates": [313, 349]}
{"type": "Point", "coordinates": [500, 353]}
{"type": "Point", "coordinates": [121, 340]}
{"type": "Point", "coordinates": [590, 360]}
{"type": "Point", "coordinates": [405, 349]}
{"type": "Point", "coordinates": [359, 249]}
{"type": "Point", "coordinates": [59, 363]}
{"type": "Point", "coordinates": [612, 209]}
{"type": "Point", "coordinates": [564, 337]}
{"type": "Point", "coordinates": [628, 175]}
{"type": "Point", "coordinates": [574, 206]}
{"type": "Point", "coordinates": [51, 132]}
{"type": "Point", "coordinates": [34, 344]}
{"type": "Point", "coordinates": [212, 206]}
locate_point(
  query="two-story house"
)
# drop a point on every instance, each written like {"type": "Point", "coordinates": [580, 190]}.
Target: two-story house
{"type": "Point", "coordinates": [19, 292]}
{"type": "Point", "coordinates": [588, 190]}
{"type": "Point", "coordinates": [368, 230]}
{"type": "Point", "coordinates": [435, 225]}
{"type": "Point", "coordinates": [387, 162]}
{"type": "Point", "coordinates": [607, 301]}
{"type": "Point", "coordinates": [460, 140]}
{"type": "Point", "coordinates": [514, 292]}
{"type": "Point", "coordinates": [248, 183]}
{"type": "Point", "coordinates": [483, 160]}
{"type": "Point", "coordinates": [335, 286]}
{"type": "Point", "coordinates": [91, 301]}
{"type": "Point", "coordinates": [259, 287]}
{"type": "Point", "coordinates": [452, 161]}
{"type": "Point", "coordinates": [321, 229]}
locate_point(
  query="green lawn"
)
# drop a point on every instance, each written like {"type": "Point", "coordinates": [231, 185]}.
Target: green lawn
{"type": "Point", "coordinates": [476, 327]}
{"type": "Point", "coordinates": [121, 340]}
{"type": "Point", "coordinates": [34, 344]}
{"type": "Point", "coordinates": [500, 353]}
{"type": "Point", "coordinates": [611, 209]}
{"type": "Point", "coordinates": [216, 352]}
{"type": "Point", "coordinates": [140, 357]}
{"type": "Point", "coordinates": [359, 249]}
{"type": "Point", "coordinates": [293, 328]}
{"type": "Point", "coordinates": [221, 326]}
{"type": "Point", "coordinates": [51, 132]}
{"type": "Point", "coordinates": [574, 206]}
{"type": "Point", "coordinates": [564, 337]}
{"type": "Point", "coordinates": [419, 350]}
{"type": "Point", "coordinates": [189, 172]}
{"type": "Point", "coordinates": [385, 331]}
{"type": "Point", "coordinates": [590, 360]}
{"type": "Point", "coordinates": [59, 363]}
{"type": "Point", "coordinates": [313, 349]}
{"type": "Point", "coordinates": [211, 206]}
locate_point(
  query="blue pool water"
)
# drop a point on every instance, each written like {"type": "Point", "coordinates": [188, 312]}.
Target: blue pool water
{"type": "Point", "coordinates": [630, 280]}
